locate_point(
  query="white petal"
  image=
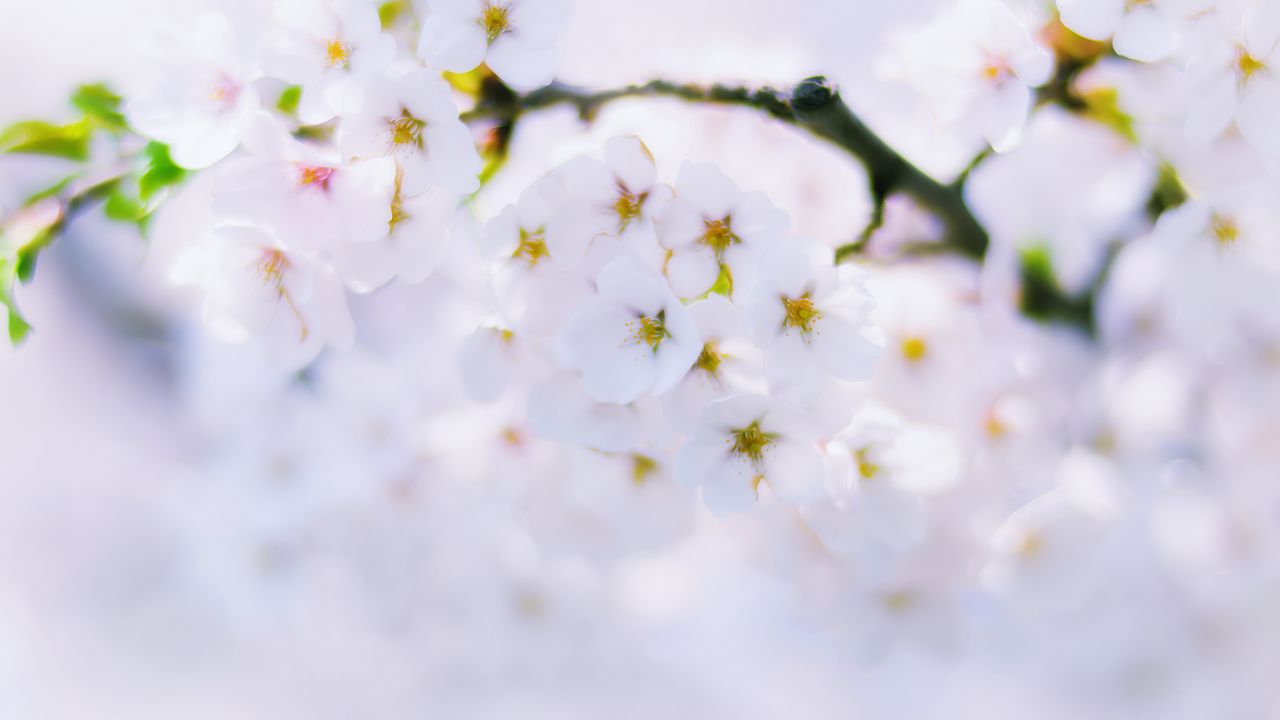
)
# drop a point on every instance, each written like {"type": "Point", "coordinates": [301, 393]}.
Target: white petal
{"type": "Point", "coordinates": [1145, 35]}
{"type": "Point", "coordinates": [453, 44]}
{"type": "Point", "coordinates": [794, 471]}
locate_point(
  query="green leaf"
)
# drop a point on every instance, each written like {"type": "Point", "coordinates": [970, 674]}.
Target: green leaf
{"type": "Point", "coordinates": [37, 137]}
{"type": "Point", "coordinates": [100, 104]}
{"type": "Point", "coordinates": [160, 172]}
{"type": "Point", "coordinates": [391, 11]}
{"type": "Point", "coordinates": [1168, 192]}
{"type": "Point", "coordinates": [18, 326]}
{"type": "Point", "coordinates": [122, 208]}
{"type": "Point", "coordinates": [53, 190]}
{"type": "Point", "coordinates": [1103, 105]}
{"type": "Point", "coordinates": [1044, 300]}
{"type": "Point", "coordinates": [289, 99]}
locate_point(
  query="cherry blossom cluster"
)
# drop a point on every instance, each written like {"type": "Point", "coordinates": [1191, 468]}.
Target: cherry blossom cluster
{"type": "Point", "coordinates": [643, 394]}
{"type": "Point", "coordinates": [352, 177]}
{"type": "Point", "coordinates": [632, 312]}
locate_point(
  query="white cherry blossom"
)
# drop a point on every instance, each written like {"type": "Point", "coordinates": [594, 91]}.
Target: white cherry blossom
{"type": "Point", "coordinates": [516, 38]}
{"type": "Point", "coordinates": [411, 118]}
{"type": "Point", "coordinates": [745, 441]}
{"type": "Point", "coordinates": [810, 318]}
{"type": "Point", "coordinates": [204, 97]}
{"type": "Point", "coordinates": [729, 364]}
{"type": "Point", "coordinates": [1145, 30]}
{"type": "Point", "coordinates": [305, 193]}
{"type": "Point", "coordinates": [712, 227]}
{"type": "Point", "coordinates": [977, 65]}
{"type": "Point", "coordinates": [324, 46]}
{"type": "Point", "coordinates": [1232, 74]}
{"type": "Point", "coordinates": [258, 288]}
{"type": "Point", "coordinates": [633, 338]}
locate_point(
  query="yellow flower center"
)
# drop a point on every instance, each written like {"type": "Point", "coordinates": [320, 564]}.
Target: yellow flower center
{"type": "Point", "coordinates": [650, 331]}
{"type": "Point", "coordinates": [398, 213]}
{"type": "Point", "coordinates": [709, 359]}
{"type": "Point", "coordinates": [914, 349]}
{"type": "Point", "coordinates": [495, 19]}
{"type": "Point", "coordinates": [272, 266]}
{"type": "Point", "coordinates": [628, 207]}
{"type": "Point", "coordinates": [532, 247]}
{"type": "Point", "coordinates": [995, 68]}
{"type": "Point", "coordinates": [642, 466]}
{"type": "Point", "coordinates": [314, 176]}
{"type": "Point", "coordinates": [1247, 65]}
{"type": "Point", "coordinates": [407, 130]}
{"type": "Point", "coordinates": [800, 313]}
{"type": "Point", "coordinates": [866, 468]}
{"type": "Point", "coordinates": [1225, 230]}
{"type": "Point", "coordinates": [719, 236]}
{"type": "Point", "coordinates": [1031, 544]}
{"type": "Point", "coordinates": [337, 54]}
{"type": "Point", "coordinates": [750, 442]}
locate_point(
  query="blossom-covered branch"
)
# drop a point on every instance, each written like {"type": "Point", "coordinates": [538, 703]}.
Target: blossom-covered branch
{"type": "Point", "coordinates": [813, 105]}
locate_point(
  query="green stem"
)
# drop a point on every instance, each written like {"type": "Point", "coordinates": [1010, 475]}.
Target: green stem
{"type": "Point", "coordinates": [814, 105]}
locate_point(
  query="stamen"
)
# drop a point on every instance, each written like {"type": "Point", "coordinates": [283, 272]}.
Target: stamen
{"type": "Point", "coordinates": [709, 359]}
{"type": "Point", "coordinates": [315, 176]}
{"type": "Point", "coordinates": [628, 207]}
{"type": "Point", "coordinates": [272, 266]}
{"type": "Point", "coordinates": [800, 313]}
{"type": "Point", "coordinates": [532, 247]}
{"type": "Point", "coordinates": [650, 331]}
{"type": "Point", "coordinates": [495, 19]}
{"type": "Point", "coordinates": [642, 466]}
{"type": "Point", "coordinates": [914, 349]}
{"type": "Point", "coordinates": [1247, 65]}
{"type": "Point", "coordinates": [1225, 230]}
{"type": "Point", "coordinates": [866, 468]}
{"type": "Point", "coordinates": [338, 54]}
{"type": "Point", "coordinates": [750, 442]}
{"type": "Point", "coordinates": [719, 236]}
{"type": "Point", "coordinates": [407, 130]}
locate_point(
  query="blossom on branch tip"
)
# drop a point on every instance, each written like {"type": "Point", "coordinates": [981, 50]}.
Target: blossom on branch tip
{"type": "Point", "coordinates": [412, 118]}
{"type": "Point", "coordinates": [745, 441]}
{"type": "Point", "coordinates": [633, 338]}
{"type": "Point", "coordinates": [257, 287]}
{"type": "Point", "coordinates": [711, 227]}
{"type": "Point", "coordinates": [811, 320]}
{"type": "Point", "coordinates": [326, 46]}
{"type": "Point", "coordinates": [516, 38]}
{"type": "Point", "coordinates": [204, 97]}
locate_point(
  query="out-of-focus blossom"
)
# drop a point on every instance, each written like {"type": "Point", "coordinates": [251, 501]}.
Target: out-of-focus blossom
{"type": "Point", "coordinates": [516, 38]}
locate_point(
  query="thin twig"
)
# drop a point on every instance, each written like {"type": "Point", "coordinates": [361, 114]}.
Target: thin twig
{"type": "Point", "coordinates": [814, 106]}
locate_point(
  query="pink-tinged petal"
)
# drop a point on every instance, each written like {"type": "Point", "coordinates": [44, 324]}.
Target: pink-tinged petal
{"type": "Point", "coordinates": [1003, 113]}
{"type": "Point", "coordinates": [629, 159]}
{"type": "Point", "coordinates": [729, 486]}
{"type": "Point", "coordinates": [1093, 19]}
{"type": "Point", "coordinates": [692, 272]}
{"type": "Point", "coordinates": [522, 63]}
{"type": "Point", "coordinates": [708, 189]}
{"type": "Point", "coordinates": [625, 284]}
{"type": "Point", "coordinates": [680, 224]}
{"type": "Point", "coordinates": [717, 318]}
{"type": "Point", "coordinates": [453, 44]}
{"type": "Point", "coordinates": [1212, 112]}
{"type": "Point", "coordinates": [1146, 35]}
{"type": "Point", "coordinates": [484, 362]}
{"type": "Point", "coordinates": [794, 471]}
{"type": "Point", "coordinates": [1257, 114]}
{"type": "Point", "coordinates": [843, 351]}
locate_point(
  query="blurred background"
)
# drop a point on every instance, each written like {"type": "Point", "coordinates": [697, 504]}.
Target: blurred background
{"type": "Point", "coordinates": [185, 535]}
